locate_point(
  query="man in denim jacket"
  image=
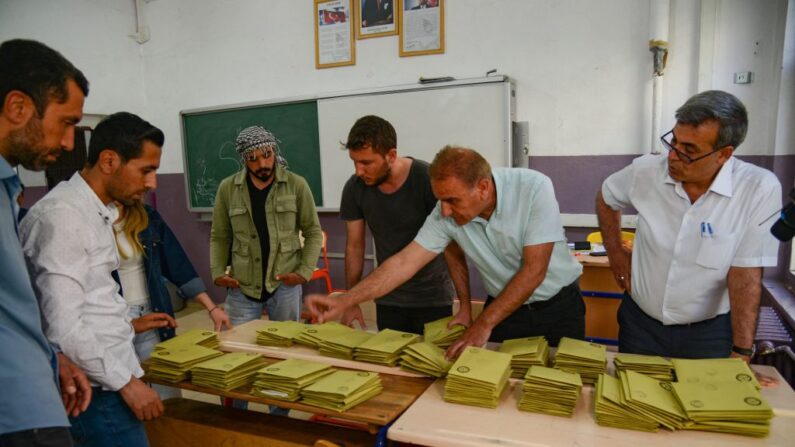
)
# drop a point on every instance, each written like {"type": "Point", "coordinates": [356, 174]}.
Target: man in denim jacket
{"type": "Point", "coordinates": [255, 248]}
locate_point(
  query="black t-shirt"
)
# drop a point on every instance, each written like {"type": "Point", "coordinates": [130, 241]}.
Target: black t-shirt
{"type": "Point", "coordinates": [394, 220]}
{"type": "Point", "coordinates": [258, 198]}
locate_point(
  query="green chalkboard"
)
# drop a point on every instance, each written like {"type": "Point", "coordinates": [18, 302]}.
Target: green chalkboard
{"type": "Point", "coordinates": [209, 145]}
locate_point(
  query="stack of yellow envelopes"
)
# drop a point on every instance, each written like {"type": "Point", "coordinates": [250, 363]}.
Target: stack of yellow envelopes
{"type": "Point", "coordinates": [201, 337]}
{"type": "Point", "coordinates": [436, 332]}
{"type": "Point", "coordinates": [726, 407]}
{"type": "Point", "coordinates": [385, 347]}
{"type": "Point", "coordinates": [315, 333]}
{"type": "Point", "coordinates": [478, 377]}
{"type": "Point", "coordinates": [174, 364]}
{"type": "Point", "coordinates": [342, 390]}
{"type": "Point", "coordinates": [714, 371]}
{"type": "Point", "coordinates": [526, 352]}
{"type": "Point", "coordinates": [342, 345]}
{"type": "Point", "coordinates": [279, 333]}
{"type": "Point", "coordinates": [586, 358]}
{"type": "Point", "coordinates": [652, 398]}
{"type": "Point", "coordinates": [550, 391]}
{"type": "Point", "coordinates": [228, 371]}
{"type": "Point", "coordinates": [609, 411]}
{"type": "Point", "coordinates": [652, 366]}
{"type": "Point", "coordinates": [425, 358]}
{"type": "Point", "coordinates": [284, 380]}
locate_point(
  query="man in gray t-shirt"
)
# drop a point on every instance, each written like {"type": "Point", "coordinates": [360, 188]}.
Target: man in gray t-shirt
{"type": "Point", "coordinates": [393, 196]}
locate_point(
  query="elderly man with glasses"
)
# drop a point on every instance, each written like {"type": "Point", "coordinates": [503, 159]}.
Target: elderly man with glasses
{"type": "Point", "coordinates": [694, 278]}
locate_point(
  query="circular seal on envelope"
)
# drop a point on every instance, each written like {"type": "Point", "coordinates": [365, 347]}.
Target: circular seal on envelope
{"type": "Point", "coordinates": [696, 403]}
{"type": "Point", "coordinates": [272, 329]}
{"type": "Point", "coordinates": [742, 377]}
{"type": "Point", "coordinates": [363, 374]}
{"type": "Point", "coordinates": [463, 369]}
{"type": "Point", "coordinates": [753, 401]}
{"type": "Point", "coordinates": [666, 386]}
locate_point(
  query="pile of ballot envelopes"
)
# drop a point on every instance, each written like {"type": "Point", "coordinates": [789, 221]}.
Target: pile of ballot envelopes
{"type": "Point", "coordinates": [385, 347]}
{"type": "Point", "coordinates": [550, 391]}
{"type": "Point", "coordinates": [316, 333]}
{"type": "Point", "coordinates": [174, 364]}
{"type": "Point", "coordinates": [478, 377]}
{"type": "Point", "coordinates": [342, 390]}
{"type": "Point", "coordinates": [437, 332]}
{"type": "Point", "coordinates": [284, 380]}
{"type": "Point", "coordinates": [280, 333]}
{"type": "Point", "coordinates": [342, 345]}
{"type": "Point", "coordinates": [228, 371]}
{"type": "Point", "coordinates": [586, 358]}
{"type": "Point", "coordinates": [652, 366]}
{"type": "Point", "coordinates": [425, 358]}
{"type": "Point", "coordinates": [201, 337]}
{"type": "Point", "coordinates": [526, 352]}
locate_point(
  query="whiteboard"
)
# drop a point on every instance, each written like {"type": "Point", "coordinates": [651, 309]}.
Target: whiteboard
{"type": "Point", "coordinates": [477, 115]}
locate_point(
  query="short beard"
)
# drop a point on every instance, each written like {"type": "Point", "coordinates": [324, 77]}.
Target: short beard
{"type": "Point", "coordinates": [384, 177]}
{"type": "Point", "coordinates": [25, 146]}
{"type": "Point", "coordinates": [263, 177]}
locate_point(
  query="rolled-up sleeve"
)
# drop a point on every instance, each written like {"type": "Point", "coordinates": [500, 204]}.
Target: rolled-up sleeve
{"type": "Point", "coordinates": [433, 235]}
{"type": "Point", "coordinates": [616, 188]}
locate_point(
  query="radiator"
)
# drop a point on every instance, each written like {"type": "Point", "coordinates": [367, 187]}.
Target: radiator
{"type": "Point", "coordinates": [774, 345]}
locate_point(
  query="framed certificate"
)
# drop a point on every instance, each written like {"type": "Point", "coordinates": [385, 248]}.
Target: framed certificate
{"type": "Point", "coordinates": [376, 18]}
{"type": "Point", "coordinates": [334, 34]}
{"type": "Point", "coordinates": [421, 27]}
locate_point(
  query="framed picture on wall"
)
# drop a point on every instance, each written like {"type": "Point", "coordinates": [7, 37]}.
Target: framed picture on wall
{"type": "Point", "coordinates": [421, 27]}
{"type": "Point", "coordinates": [334, 33]}
{"type": "Point", "coordinates": [376, 18]}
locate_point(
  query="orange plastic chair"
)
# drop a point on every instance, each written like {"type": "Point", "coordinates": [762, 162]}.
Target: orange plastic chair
{"type": "Point", "coordinates": [596, 237]}
{"type": "Point", "coordinates": [322, 271]}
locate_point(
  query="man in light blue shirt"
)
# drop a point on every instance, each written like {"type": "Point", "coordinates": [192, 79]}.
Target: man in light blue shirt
{"type": "Point", "coordinates": [508, 222]}
{"type": "Point", "coordinates": [43, 96]}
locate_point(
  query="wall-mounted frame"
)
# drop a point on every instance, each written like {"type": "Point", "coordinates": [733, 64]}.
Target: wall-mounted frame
{"type": "Point", "coordinates": [334, 33]}
{"type": "Point", "coordinates": [421, 27]}
{"type": "Point", "coordinates": [376, 18]}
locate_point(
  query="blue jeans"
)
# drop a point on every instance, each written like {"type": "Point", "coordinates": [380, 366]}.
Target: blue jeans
{"type": "Point", "coordinates": [284, 305]}
{"type": "Point", "coordinates": [144, 344]}
{"type": "Point", "coordinates": [639, 333]}
{"type": "Point", "coordinates": [108, 422]}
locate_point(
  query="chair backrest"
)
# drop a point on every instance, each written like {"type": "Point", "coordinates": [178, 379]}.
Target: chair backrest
{"type": "Point", "coordinates": [596, 237]}
{"type": "Point", "coordinates": [324, 251]}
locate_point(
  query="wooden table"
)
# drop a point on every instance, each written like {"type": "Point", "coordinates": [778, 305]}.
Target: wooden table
{"type": "Point", "coordinates": [431, 421]}
{"type": "Point", "coordinates": [601, 309]}
{"type": "Point", "coordinates": [401, 388]}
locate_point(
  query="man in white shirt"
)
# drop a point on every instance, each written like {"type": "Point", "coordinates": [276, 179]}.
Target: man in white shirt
{"type": "Point", "coordinates": [67, 238]}
{"type": "Point", "coordinates": [694, 277]}
{"type": "Point", "coordinates": [508, 222]}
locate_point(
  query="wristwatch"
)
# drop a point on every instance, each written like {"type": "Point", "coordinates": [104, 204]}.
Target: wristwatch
{"type": "Point", "coordinates": [749, 352]}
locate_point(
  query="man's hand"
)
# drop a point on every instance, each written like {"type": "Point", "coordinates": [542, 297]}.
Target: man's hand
{"type": "Point", "coordinates": [227, 282]}
{"type": "Point", "coordinates": [326, 308]}
{"type": "Point", "coordinates": [463, 317]}
{"type": "Point", "coordinates": [291, 279]}
{"type": "Point", "coordinates": [75, 388]}
{"type": "Point", "coordinates": [142, 400]}
{"type": "Point", "coordinates": [621, 265]}
{"type": "Point", "coordinates": [765, 381]}
{"type": "Point", "coordinates": [353, 313]}
{"type": "Point", "coordinates": [476, 335]}
{"type": "Point", "coordinates": [153, 320]}
{"type": "Point", "coordinates": [220, 319]}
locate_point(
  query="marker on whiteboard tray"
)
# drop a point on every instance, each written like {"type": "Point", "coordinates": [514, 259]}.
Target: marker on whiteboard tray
{"type": "Point", "coordinates": [434, 80]}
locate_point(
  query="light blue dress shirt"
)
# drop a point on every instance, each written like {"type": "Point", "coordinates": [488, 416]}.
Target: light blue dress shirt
{"type": "Point", "coordinates": [30, 397]}
{"type": "Point", "coordinates": [526, 214]}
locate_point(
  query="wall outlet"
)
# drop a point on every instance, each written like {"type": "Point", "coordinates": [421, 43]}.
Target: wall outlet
{"type": "Point", "coordinates": [742, 77]}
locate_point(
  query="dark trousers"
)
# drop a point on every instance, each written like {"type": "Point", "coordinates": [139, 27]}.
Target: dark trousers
{"type": "Point", "coordinates": [563, 315]}
{"type": "Point", "coordinates": [641, 334]}
{"type": "Point", "coordinates": [409, 319]}
{"type": "Point", "coordinates": [108, 422]}
{"type": "Point", "coordinates": [38, 437]}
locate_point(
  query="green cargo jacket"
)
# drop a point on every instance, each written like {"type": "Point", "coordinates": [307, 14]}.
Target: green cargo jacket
{"type": "Point", "coordinates": [289, 209]}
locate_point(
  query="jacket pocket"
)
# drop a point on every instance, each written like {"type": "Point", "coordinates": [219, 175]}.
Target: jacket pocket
{"type": "Point", "coordinates": [286, 213]}
{"type": "Point", "coordinates": [289, 255]}
{"type": "Point", "coordinates": [716, 252]}
{"type": "Point", "coordinates": [241, 261]}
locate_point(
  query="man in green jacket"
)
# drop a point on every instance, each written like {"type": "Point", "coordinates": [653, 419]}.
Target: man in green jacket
{"type": "Point", "coordinates": [255, 248]}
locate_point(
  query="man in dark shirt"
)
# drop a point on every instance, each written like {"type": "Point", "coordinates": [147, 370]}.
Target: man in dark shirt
{"type": "Point", "coordinates": [393, 196]}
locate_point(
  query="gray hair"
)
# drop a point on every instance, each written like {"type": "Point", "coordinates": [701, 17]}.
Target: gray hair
{"type": "Point", "coordinates": [719, 106]}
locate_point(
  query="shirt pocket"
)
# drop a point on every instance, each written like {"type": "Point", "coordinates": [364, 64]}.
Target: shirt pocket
{"type": "Point", "coordinates": [716, 252]}
{"type": "Point", "coordinates": [286, 214]}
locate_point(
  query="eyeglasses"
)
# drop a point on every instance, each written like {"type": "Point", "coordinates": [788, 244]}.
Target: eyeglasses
{"type": "Point", "coordinates": [667, 141]}
{"type": "Point", "coordinates": [265, 152]}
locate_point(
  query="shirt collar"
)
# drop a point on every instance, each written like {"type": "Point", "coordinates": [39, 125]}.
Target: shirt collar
{"type": "Point", "coordinates": [498, 205]}
{"type": "Point", "coordinates": [109, 213]}
{"type": "Point", "coordinates": [722, 184]}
